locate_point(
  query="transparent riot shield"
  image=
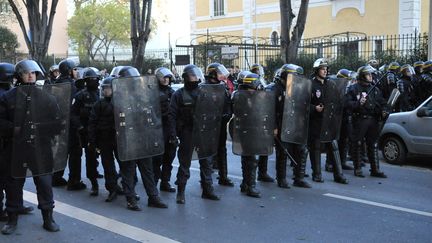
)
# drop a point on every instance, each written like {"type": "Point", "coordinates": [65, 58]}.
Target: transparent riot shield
{"type": "Point", "coordinates": [137, 117]}
{"type": "Point", "coordinates": [333, 108]}
{"type": "Point", "coordinates": [207, 120]}
{"type": "Point", "coordinates": [253, 122]}
{"type": "Point", "coordinates": [295, 120]}
{"type": "Point", "coordinates": [41, 129]}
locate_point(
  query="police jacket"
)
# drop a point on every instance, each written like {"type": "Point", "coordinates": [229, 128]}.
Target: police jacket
{"type": "Point", "coordinates": [375, 103]}
{"type": "Point", "coordinates": [227, 108]}
{"type": "Point", "coordinates": [165, 94]}
{"type": "Point", "coordinates": [81, 107]}
{"type": "Point", "coordinates": [406, 89]}
{"type": "Point", "coordinates": [317, 98]}
{"type": "Point", "coordinates": [181, 110]}
{"type": "Point", "coordinates": [101, 121]}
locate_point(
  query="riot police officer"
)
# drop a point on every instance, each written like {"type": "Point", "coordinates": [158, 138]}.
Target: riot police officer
{"type": "Point", "coordinates": [26, 73]}
{"type": "Point", "coordinates": [181, 121]}
{"type": "Point", "coordinates": [145, 165]}
{"type": "Point", "coordinates": [426, 81]}
{"type": "Point", "coordinates": [101, 135]}
{"type": "Point", "coordinates": [297, 150]}
{"type": "Point", "coordinates": [165, 77]}
{"type": "Point", "coordinates": [216, 73]}
{"type": "Point", "coordinates": [249, 85]}
{"type": "Point", "coordinates": [54, 72]}
{"type": "Point", "coordinates": [69, 74]}
{"type": "Point", "coordinates": [263, 160]}
{"type": "Point", "coordinates": [368, 107]}
{"type": "Point", "coordinates": [417, 79]}
{"type": "Point", "coordinates": [390, 79]}
{"type": "Point", "coordinates": [406, 88]}
{"type": "Point", "coordinates": [318, 104]}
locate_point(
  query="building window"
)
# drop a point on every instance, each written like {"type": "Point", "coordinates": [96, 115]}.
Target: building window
{"type": "Point", "coordinates": [274, 39]}
{"type": "Point", "coordinates": [4, 7]}
{"type": "Point", "coordinates": [349, 48]}
{"type": "Point", "coordinates": [218, 7]}
{"type": "Point", "coordinates": [378, 47]}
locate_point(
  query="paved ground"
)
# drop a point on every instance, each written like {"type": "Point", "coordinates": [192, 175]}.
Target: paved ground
{"type": "Point", "coordinates": [397, 209]}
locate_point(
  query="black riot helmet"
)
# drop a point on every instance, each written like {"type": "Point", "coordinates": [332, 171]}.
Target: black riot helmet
{"type": "Point", "coordinates": [162, 73]}
{"type": "Point", "coordinates": [192, 73]}
{"type": "Point", "coordinates": [91, 77]}
{"type": "Point", "coordinates": [128, 71]}
{"type": "Point", "coordinates": [257, 68]}
{"type": "Point", "coordinates": [66, 66]}
{"type": "Point", "coordinates": [287, 69]}
{"type": "Point", "coordinates": [427, 66]}
{"type": "Point", "coordinates": [217, 71]}
{"type": "Point", "coordinates": [251, 81]}
{"type": "Point", "coordinates": [28, 66]}
{"type": "Point", "coordinates": [115, 71]}
{"type": "Point", "coordinates": [418, 67]}
{"type": "Point", "coordinates": [363, 71]}
{"type": "Point", "coordinates": [394, 67]}
{"type": "Point", "coordinates": [7, 71]}
{"type": "Point", "coordinates": [241, 76]}
{"type": "Point", "coordinates": [344, 73]}
{"type": "Point", "coordinates": [407, 70]}
{"type": "Point", "coordinates": [106, 87]}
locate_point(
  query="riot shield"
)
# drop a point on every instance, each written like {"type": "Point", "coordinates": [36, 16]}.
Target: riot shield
{"type": "Point", "coordinates": [253, 123]}
{"type": "Point", "coordinates": [207, 120]}
{"type": "Point", "coordinates": [295, 120]}
{"type": "Point", "coordinates": [394, 96]}
{"type": "Point", "coordinates": [41, 129]}
{"type": "Point", "coordinates": [137, 117]}
{"type": "Point", "coordinates": [333, 108]}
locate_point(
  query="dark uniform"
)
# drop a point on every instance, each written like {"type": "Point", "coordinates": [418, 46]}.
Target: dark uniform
{"type": "Point", "coordinates": [80, 112]}
{"type": "Point", "coordinates": [367, 110]}
{"type": "Point", "coordinates": [416, 81]}
{"type": "Point", "coordinates": [298, 152]}
{"type": "Point", "coordinates": [426, 81]}
{"type": "Point", "coordinates": [315, 127]}
{"type": "Point", "coordinates": [101, 135]}
{"type": "Point", "coordinates": [181, 125]}
{"type": "Point", "coordinates": [406, 89]}
{"type": "Point", "coordinates": [165, 160]}
{"type": "Point", "coordinates": [14, 186]}
{"type": "Point", "coordinates": [216, 73]}
{"type": "Point", "coordinates": [390, 79]}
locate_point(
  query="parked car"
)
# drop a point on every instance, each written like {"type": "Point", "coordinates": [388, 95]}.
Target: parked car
{"type": "Point", "coordinates": [408, 133]}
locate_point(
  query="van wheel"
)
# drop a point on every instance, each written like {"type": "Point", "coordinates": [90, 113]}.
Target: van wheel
{"type": "Point", "coordinates": [394, 151]}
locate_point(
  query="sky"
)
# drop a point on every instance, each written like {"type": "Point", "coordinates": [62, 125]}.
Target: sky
{"type": "Point", "coordinates": [172, 17]}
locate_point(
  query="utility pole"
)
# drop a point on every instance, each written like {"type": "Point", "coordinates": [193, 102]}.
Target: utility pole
{"type": "Point", "coordinates": [430, 32]}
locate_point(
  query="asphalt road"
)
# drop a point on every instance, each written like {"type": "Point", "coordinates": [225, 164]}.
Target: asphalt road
{"type": "Point", "coordinates": [396, 209]}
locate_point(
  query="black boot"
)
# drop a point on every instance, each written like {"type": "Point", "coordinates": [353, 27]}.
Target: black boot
{"type": "Point", "coordinates": [283, 183]}
{"type": "Point", "coordinates": [111, 196]}
{"type": "Point", "coordinates": [208, 192]}
{"type": "Point", "coordinates": [11, 225]}
{"type": "Point", "coordinates": [58, 181]}
{"type": "Point", "coordinates": [356, 157]}
{"type": "Point", "coordinates": [300, 168]}
{"type": "Point", "coordinates": [94, 191]}
{"type": "Point", "coordinates": [250, 179]}
{"type": "Point", "coordinates": [75, 186]}
{"type": "Point", "coordinates": [166, 187]}
{"type": "Point", "coordinates": [3, 215]}
{"type": "Point", "coordinates": [223, 173]}
{"type": "Point", "coordinates": [337, 167]}
{"type": "Point", "coordinates": [132, 204]}
{"type": "Point", "coordinates": [315, 157]}
{"type": "Point", "coordinates": [26, 210]}
{"type": "Point", "coordinates": [48, 222]}
{"type": "Point", "coordinates": [244, 167]}
{"type": "Point", "coordinates": [374, 162]}
{"type": "Point", "coordinates": [180, 199]}
{"type": "Point", "coordinates": [156, 202]}
{"type": "Point", "coordinates": [262, 170]}
{"type": "Point", "coordinates": [281, 164]}
{"type": "Point", "coordinates": [343, 153]}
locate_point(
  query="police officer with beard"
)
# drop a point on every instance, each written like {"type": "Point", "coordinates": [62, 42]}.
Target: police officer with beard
{"type": "Point", "coordinates": [101, 135]}
{"type": "Point", "coordinates": [80, 112]}
{"type": "Point", "coordinates": [216, 74]}
{"type": "Point", "coordinates": [26, 72]}
{"type": "Point", "coordinates": [181, 125]}
{"type": "Point", "coordinates": [406, 88]}
{"type": "Point", "coordinates": [298, 151]}
{"type": "Point", "coordinates": [165, 77]}
{"type": "Point", "coordinates": [368, 107]}
{"type": "Point", "coordinates": [319, 86]}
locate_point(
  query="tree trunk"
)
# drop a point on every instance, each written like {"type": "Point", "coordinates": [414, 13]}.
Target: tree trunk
{"type": "Point", "coordinates": [290, 43]}
{"type": "Point", "coordinates": [140, 30]}
{"type": "Point", "coordinates": [40, 26]}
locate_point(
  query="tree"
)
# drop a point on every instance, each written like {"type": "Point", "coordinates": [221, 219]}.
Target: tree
{"type": "Point", "coordinates": [8, 44]}
{"type": "Point", "coordinates": [95, 27]}
{"type": "Point", "coordinates": [140, 29]}
{"type": "Point", "coordinates": [38, 33]}
{"type": "Point", "coordinates": [290, 43]}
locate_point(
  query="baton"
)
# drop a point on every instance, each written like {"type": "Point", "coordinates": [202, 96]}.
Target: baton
{"type": "Point", "coordinates": [285, 150]}
{"type": "Point", "coordinates": [374, 86]}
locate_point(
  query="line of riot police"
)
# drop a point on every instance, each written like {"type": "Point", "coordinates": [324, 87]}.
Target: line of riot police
{"type": "Point", "coordinates": [140, 121]}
